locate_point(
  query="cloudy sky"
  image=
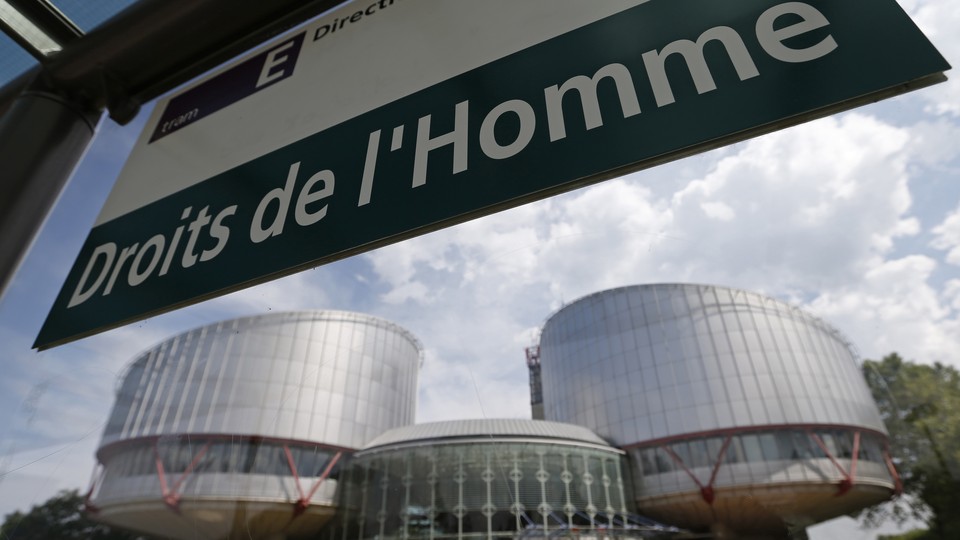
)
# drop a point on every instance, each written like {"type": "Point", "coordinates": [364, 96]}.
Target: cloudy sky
{"type": "Point", "coordinates": [855, 217]}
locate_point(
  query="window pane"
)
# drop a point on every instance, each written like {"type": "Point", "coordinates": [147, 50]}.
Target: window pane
{"type": "Point", "coordinates": [735, 452]}
{"type": "Point", "coordinates": [768, 445]}
{"type": "Point", "coordinates": [751, 448]}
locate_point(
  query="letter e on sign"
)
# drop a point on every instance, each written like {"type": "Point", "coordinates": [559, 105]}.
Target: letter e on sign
{"type": "Point", "coordinates": [229, 87]}
{"type": "Point", "coordinates": [276, 64]}
{"type": "Point", "coordinates": [771, 38]}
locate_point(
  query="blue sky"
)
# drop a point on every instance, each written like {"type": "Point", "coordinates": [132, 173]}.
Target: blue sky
{"type": "Point", "coordinates": [855, 217]}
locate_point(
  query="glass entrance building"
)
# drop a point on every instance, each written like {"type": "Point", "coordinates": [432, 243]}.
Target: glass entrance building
{"type": "Point", "coordinates": [495, 478]}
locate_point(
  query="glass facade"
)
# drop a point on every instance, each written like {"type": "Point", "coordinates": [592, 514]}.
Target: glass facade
{"type": "Point", "coordinates": [486, 486]}
{"type": "Point", "coordinates": [220, 467]}
{"type": "Point", "coordinates": [224, 456]}
{"type": "Point", "coordinates": [336, 377]}
{"type": "Point", "coordinates": [760, 457]}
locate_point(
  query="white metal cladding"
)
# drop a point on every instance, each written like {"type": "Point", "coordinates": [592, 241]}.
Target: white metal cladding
{"type": "Point", "coordinates": [645, 362]}
{"type": "Point", "coordinates": [492, 428]}
{"type": "Point", "coordinates": [322, 376]}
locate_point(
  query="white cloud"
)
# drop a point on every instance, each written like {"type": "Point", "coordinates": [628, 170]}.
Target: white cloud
{"type": "Point", "coordinates": [947, 237]}
{"type": "Point", "coordinates": [602, 237]}
{"type": "Point", "coordinates": [813, 205]}
{"type": "Point", "coordinates": [951, 294]}
{"type": "Point", "coordinates": [894, 308]}
{"type": "Point", "coordinates": [717, 210]}
{"type": "Point", "coordinates": [464, 254]}
{"type": "Point", "coordinates": [452, 391]}
{"type": "Point", "coordinates": [415, 291]}
{"type": "Point", "coordinates": [934, 143]}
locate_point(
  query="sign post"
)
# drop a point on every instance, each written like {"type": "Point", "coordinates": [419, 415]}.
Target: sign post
{"type": "Point", "coordinates": [381, 122]}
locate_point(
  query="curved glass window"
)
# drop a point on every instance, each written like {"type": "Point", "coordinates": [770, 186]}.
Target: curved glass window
{"type": "Point", "coordinates": [758, 446]}
{"type": "Point", "coordinates": [225, 456]}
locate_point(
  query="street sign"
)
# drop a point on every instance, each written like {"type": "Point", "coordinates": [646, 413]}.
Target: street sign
{"type": "Point", "coordinates": [390, 118]}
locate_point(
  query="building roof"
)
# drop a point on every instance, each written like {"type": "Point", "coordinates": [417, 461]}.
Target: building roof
{"type": "Point", "coordinates": [499, 428]}
{"type": "Point", "coordinates": [738, 296]}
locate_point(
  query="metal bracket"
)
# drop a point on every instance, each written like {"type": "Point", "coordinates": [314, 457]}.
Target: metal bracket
{"type": "Point", "coordinates": [121, 107]}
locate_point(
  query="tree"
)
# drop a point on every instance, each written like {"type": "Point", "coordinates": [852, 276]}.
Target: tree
{"type": "Point", "coordinates": [60, 517]}
{"type": "Point", "coordinates": [920, 405]}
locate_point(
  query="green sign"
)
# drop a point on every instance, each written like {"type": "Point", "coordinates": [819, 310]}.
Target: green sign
{"type": "Point", "coordinates": [652, 82]}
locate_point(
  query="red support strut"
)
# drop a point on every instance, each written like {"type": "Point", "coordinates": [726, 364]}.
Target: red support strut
{"type": "Point", "coordinates": [846, 483]}
{"type": "Point", "coordinates": [897, 482]}
{"type": "Point", "coordinates": [706, 491]}
{"type": "Point", "coordinates": [171, 496]}
{"type": "Point", "coordinates": [88, 505]}
{"type": "Point", "coordinates": [303, 502]}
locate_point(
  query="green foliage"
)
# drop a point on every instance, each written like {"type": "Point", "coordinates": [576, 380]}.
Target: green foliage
{"type": "Point", "coordinates": [61, 517]}
{"type": "Point", "coordinates": [920, 405]}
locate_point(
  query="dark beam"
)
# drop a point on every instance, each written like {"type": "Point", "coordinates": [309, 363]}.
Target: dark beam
{"type": "Point", "coordinates": [50, 20]}
{"type": "Point", "coordinates": [156, 45]}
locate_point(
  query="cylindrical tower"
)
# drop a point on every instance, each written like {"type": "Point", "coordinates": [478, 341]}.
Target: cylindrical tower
{"type": "Point", "coordinates": [235, 429]}
{"type": "Point", "coordinates": [736, 409]}
{"type": "Point", "coordinates": [490, 478]}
